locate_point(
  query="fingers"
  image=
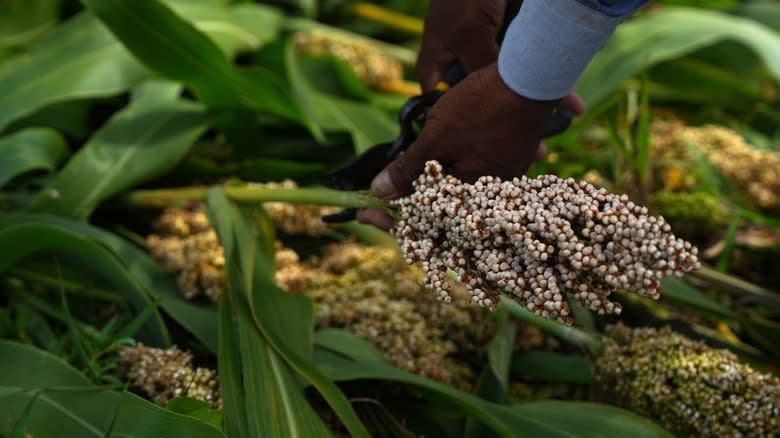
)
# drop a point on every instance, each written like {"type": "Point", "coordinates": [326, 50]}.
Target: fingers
{"type": "Point", "coordinates": [455, 31]}
{"type": "Point", "coordinates": [573, 102]}
{"type": "Point", "coordinates": [396, 179]}
{"type": "Point", "coordinates": [376, 217]}
{"type": "Point", "coordinates": [541, 152]}
{"type": "Point", "coordinates": [432, 64]}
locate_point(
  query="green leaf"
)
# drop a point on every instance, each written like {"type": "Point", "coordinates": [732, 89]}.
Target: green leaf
{"type": "Point", "coordinates": [77, 59]}
{"type": "Point", "coordinates": [678, 290]}
{"type": "Point", "coordinates": [146, 138]}
{"type": "Point", "coordinates": [71, 249]}
{"type": "Point", "coordinates": [765, 332]}
{"type": "Point", "coordinates": [76, 338]}
{"type": "Point", "coordinates": [195, 409]}
{"type": "Point", "coordinates": [271, 394]}
{"type": "Point", "coordinates": [175, 48]}
{"type": "Point", "coordinates": [30, 149]}
{"type": "Point", "coordinates": [160, 90]}
{"type": "Point", "coordinates": [229, 368]}
{"type": "Point", "coordinates": [688, 79]}
{"type": "Point", "coordinates": [262, 22]}
{"type": "Point", "coordinates": [283, 344]}
{"type": "Point", "coordinates": [82, 59]}
{"type": "Point", "coordinates": [213, 18]}
{"type": "Point", "coordinates": [23, 20]}
{"type": "Point", "coordinates": [586, 419]}
{"type": "Point", "coordinates": [70, 118]}
{"type": "Point", "coordinates": [767, 12]}
{"type": "Point", "coordinates": [70, 406]}
{"type": "Point", "coordinates": [553, 367]}
{"type": "Point", "coordinates": [200, 321]}
{"type": "Point", "coordinates": [500, 348]}
{"type": "Point", "coordinates": [348, 344]}
{"type": "Point", "coordinates": [5, 392]}
{"type": "Point", "coordinates": [667, 34]}
{"type": "Point", "coordinates": [367, 124]}
{"type": "Point", "coordinates": [521, 420]}
{"type": "Point", "coordinates": [307, 7]}
{"type": "Point", "coordinates": [493, 382]}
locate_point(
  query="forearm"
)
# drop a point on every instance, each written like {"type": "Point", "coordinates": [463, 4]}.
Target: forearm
{"type": "Point", "coordinates": [550, 43]}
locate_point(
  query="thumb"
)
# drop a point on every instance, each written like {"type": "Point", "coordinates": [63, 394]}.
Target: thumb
{"type": "Point", "coordinates": [396, 179]}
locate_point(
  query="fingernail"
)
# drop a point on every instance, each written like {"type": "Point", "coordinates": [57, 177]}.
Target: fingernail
{"type": "Point", "coordinates": [382, 186]}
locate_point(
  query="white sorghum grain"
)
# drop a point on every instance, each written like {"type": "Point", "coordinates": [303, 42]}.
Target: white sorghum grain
{"type": "Point", "coordinates": [537, 240]}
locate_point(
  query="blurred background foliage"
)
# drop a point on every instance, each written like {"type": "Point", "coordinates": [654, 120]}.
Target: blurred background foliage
{"type": "Point", "coordinates": [111, 110]}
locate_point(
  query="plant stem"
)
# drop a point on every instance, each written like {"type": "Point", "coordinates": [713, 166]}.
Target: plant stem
{"type": "Point", "coordinates": [572, 335]}
{"type": "Point", "coordinates": [386, 17]}
{"type": "Point", "coordinates": [191, 196]}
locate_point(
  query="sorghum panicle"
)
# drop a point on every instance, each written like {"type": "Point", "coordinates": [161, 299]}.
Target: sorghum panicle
{"type": "Point", "coordinates": [755, 171]}
{"type": "Point", "coordinates": [537, 240]}
{"type": "Point", "coordinates": [370, 292]}
{"type": "Point", "coordinates": [187, 247]}
{"type": "Point", "coordinates": [371, 67]}
{"type": "Point", "coordinates": [165, 374]}
{"type": "Point", "coordinates": [690, 388]}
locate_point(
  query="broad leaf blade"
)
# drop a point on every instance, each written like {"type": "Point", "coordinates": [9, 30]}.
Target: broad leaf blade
{"type": "Point", "coordinates": [70, 249]}
{"type": "Point", "coordinates": [553, 367]}
{"type": "Point", "coordinates": [519, 420]}
{"type": "Point", "coordinates": [30, 149]}
{"type": "Point", "coordinates": [144, 139]}
{"type": "Point", "coordinates": [269, 395]}
{"type": "Point", "coordinates": [668, 34]}
{"type": "Point", "coordinates": [229, 366]}
{"type": "Point", "coordinates": [586, 419]}
{"type": "Point", "coordinates": [200, 321]}
{"type": "Point", "coordinates": [682, 292]}
{"type": "Point", "coordinates": [79, 58]}
{"type": "Point", "coordinates": [367, 124]}
{"type": "Point", "coordinates": [174, 47]}
{"type": "Point", "coordinates": [249, 257]}
{"type": "Point", "coordinates": [82, 410]}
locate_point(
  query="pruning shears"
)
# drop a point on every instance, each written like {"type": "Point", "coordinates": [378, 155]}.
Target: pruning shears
{"type": "Point", "coordinates": [358, 173]}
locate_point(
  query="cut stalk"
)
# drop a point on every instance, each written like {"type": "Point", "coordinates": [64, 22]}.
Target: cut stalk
{"type": "Point", "coordinates": [190, 196]}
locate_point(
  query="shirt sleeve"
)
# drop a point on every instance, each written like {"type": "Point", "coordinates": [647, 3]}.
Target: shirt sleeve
{"type": "Point", "coordinates": [550, 42]}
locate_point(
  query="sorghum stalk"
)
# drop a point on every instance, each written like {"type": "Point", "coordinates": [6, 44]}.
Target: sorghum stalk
{"type": "Point", "coordinates": [254, 193]}
{"type": "Point", "coordinates": [538, 241]}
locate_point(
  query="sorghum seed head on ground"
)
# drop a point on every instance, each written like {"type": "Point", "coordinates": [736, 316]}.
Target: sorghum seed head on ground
{"type": "Point", "coordinates": [370, 292]}
{"type": "Point", "coordinates": [165, 374]}
{"type": "Point", "coordinates": [690, 388]}
{"type": "Point", "coordinates": [367, 63]}
{"type": "Point", "coordinates": [538, 241]}
{"type": "Point", "coordinates": [187, 247]}
{"type": "Point", "coordinates": [752, 170]}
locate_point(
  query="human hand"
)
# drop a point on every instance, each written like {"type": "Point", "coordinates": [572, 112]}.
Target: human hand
{"type": "Point", "coordinates": [458, 30]}
{"type": "Point", "coordinates": [479, 127]}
